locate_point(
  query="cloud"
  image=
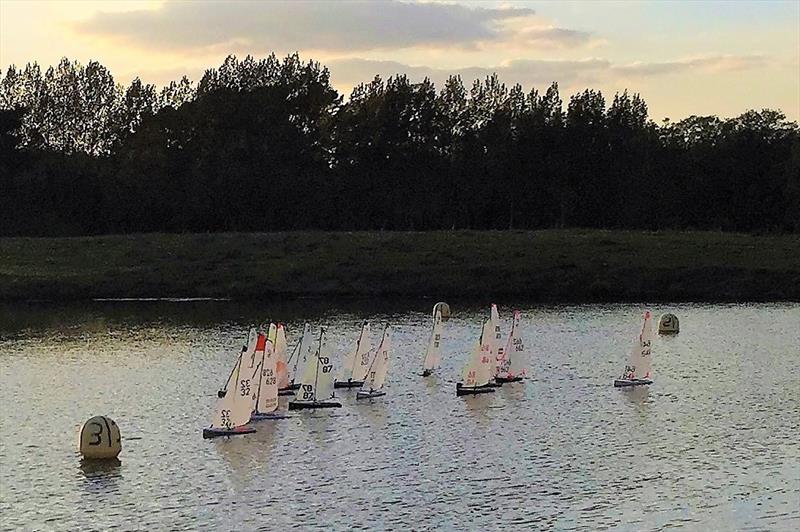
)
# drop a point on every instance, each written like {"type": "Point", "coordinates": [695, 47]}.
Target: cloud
{"type": "Point", "coordinates": [583, 73]}
{"type": "Point", "coordinates": [710, 64]}
{"type": "Point", "coordinates": [315, 25]}
{"type": "Point", "coordinates": [537, 72]}
{"type": "Point", "coordinates": [555, 37]}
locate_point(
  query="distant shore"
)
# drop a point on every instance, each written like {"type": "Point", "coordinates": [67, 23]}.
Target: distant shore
{"type": "Point", "coordinates": [547, 266]}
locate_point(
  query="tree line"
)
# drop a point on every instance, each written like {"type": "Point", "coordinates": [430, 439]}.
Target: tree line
{"type": "Point", "coordinates": [268, 144]}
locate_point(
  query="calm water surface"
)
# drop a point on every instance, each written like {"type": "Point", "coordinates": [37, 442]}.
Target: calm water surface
{"type": "Point", "coordinates": [712, 445]}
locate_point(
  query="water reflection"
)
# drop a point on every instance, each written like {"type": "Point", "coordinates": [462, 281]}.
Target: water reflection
{"type": "Point", "coordinates": [101, 476]}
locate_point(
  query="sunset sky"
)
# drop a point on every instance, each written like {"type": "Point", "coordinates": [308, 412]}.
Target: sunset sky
{"type": "Point", "coordinates": [684, 57]}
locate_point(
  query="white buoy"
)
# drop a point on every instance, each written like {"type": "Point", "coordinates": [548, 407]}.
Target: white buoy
{"type": "Point", "coordinates": [100, 439]}
{"type": "Point", "coordinates": [668, 324]}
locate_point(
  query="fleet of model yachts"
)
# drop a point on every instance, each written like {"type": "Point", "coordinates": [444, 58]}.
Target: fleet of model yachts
{"type": "Point", "coordinates": [265, 369]}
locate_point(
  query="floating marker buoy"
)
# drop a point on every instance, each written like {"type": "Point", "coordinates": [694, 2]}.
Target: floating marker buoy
{"type": "Point", "coordinates": [100, 439]}
{"type": "Point", "coordinates": [668, 324]}
{"type": "Point", "coordinates": [443, 309]}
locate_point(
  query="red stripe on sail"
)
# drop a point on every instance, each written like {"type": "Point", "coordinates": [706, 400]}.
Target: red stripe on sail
{"type": "Point", "coordinates": [261, 343]}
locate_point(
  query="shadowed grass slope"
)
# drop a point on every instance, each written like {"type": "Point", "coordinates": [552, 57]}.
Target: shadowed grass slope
{"type": "Point", "coordinates": [552, 265]}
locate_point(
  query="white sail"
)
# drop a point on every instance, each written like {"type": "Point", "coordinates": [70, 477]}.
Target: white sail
{"type": "Point", "coordinates": [303, 353]}
{"type": "Point", "coordinates": [357, 360]}
{"type": "Point", "coordinates": [478, 370]}
{"type": "Point", "coordinates": [641, 358]}
{"type": "Point", "coordinates": [248, 349]}
{"type": "Point", "coordinates": [267, 393]}
{"type": "Point", "coordinates": [317, 381]}
{"type": "Point", "coordinates": [234, 408]}
{"type": "Point", "coordinates": [379, 367]}
{"type": "Point", "coordinates": [515, 350]}
{"type": "Point", "coordinates": [324, 389]}
{"type": "Point", "coordinates": [433, 354]}
{"type": "Point", "coordinates": [497, 351]}
{"type": "Point", "coordinates": [308, 378]}
{"type": "Point", "coordinates": [281, 364]}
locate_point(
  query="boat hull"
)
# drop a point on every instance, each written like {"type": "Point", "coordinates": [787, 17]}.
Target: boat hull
{"type": "Point", "coordinates": [625, 383]}
{"type": "Point", "coordinates": [348, 384]}
{"type": "Point", "coordinates": [300, 405]}
{"type": "Point", "coordinates": [492, 384]}
{"type": "Point", "coordinates": [271, 415]}
{"type": "Point", "coordinates": [216, 433]}
{"type": "Point", "coordinates": [473, 390]}
{"type": "Point", "coordinates": [368, 395]}
{"type": "Point", "coordinates": [504, 380]}
{"type": "Point", "coordinates": [287, 391]}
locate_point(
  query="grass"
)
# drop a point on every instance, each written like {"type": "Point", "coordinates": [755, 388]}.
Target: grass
{"type": "Point", "coordinates": [551, 265]}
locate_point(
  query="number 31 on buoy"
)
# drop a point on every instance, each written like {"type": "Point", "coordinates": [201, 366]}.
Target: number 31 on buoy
{"type": "Point", "coordinates": [100, 438]}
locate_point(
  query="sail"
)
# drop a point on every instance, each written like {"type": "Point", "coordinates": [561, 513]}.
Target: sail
{"type": "Point", "coordinates": [357, 360]}
{"type": "Point", "coordinates": [317, 381]}
{"type": "Point", "coordinates": [234, 408]}
{"type": "Point", "coordinates": [267, 396]}
{"type": "Point", "coordinates": [248, 348]}
{"type": "Point", "coordinates": [308, 378]}
{"type": "Point", "coordinates": [433, 354]}
{"type": "Point", "coordinates": [515, 349]}
{"type": "Point", "coordinates": [302, 354]}
{"type": "Point", "coordinates": [497, 351]}
{"type": "Point", "coordinates": [281, 364]}
{"type": "Point", "coordinates": [478, 369]}
{"type": "Point", "coordinates": [324, 370]}
{"type": "Point", "coordinates": [376, 376]}
{"type": "Point", "coordinates": [641, 359]}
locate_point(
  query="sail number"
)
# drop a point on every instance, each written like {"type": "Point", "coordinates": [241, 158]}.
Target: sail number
{"type": "Point", "coordinates": [225, 416]}
{"type": "Point", "coordinates": [244, 386]}
{"type": "Point", "coordinates": [268, 377]}
{"type": "Point", "coordinates": [326, 365]}
{"type": "Point", "coordinates": [308, 391]}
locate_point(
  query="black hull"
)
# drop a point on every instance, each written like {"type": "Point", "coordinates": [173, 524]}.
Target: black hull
{"type": "Point", "coordinates": [271, 415]}
{"type": "Point", "coordinates": [503, 380]}
{"type": "Point", "coordinates": [348, 384]}
{"type": "Point", "coordinates": [369, 395]}
{"type": "Point", "coordinates": [461, 390]}
{"type": "Point", "coordinates": [286, 391]}
{"type": "Point", "coordinates": [298, 405]}
{"type": "Point", "coordinates": [216, 433]}
{"type": "Point", "coordinates": [626, 383]}
{"type": "Point", "coordinates": [493, 384]}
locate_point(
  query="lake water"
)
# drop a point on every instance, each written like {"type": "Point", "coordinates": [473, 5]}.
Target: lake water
{"type": "Point", "coordinates": [711, 445]}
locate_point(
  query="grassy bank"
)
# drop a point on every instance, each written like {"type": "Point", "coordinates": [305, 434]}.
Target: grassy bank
{"type": "Point", "coordinates": [554, 265]}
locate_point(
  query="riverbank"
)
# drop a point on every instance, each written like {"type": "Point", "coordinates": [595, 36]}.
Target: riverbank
{"type": "Point", "coordinates": [548, 266]}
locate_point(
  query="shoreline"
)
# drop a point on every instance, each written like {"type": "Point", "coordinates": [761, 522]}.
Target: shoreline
{"type": "Point", "coordinates": [549, 266]}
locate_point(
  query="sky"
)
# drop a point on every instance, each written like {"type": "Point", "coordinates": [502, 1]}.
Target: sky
{"type": "Point", "coordinates": [684, 57]}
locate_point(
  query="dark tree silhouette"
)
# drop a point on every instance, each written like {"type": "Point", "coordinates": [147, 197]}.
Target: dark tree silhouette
{"type": "Point", "coordinates": [268, 144]}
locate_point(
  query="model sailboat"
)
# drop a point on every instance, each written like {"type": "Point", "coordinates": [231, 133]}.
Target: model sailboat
{"type": "Point", "coordinates": [376, 375]}
{"type": "Point", "coordinates": [639, 371]}
{"type": "Point", "coordinates": [316, 385]}
{"type": "Point", "coordinates": [266, 402]}
{"type": "Point", "coordinates": [235, 402]}
{"type": "Point", "coordinates": [496, 350]}
{"type": "Point", "coordinates": [433, 354]}
{"type": "Point", "coordinates": [510, 365]}
{"type": "Point", "coordinates": [478, 370]}
{"type": "Point", "coordinates": [281, 362]}
{"type": "Point", "coordinates": [302, 353]}
{"type": "Point", "coordinates": [356, 364]}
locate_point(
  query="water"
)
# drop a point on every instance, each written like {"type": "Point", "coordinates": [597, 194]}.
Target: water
{"type": "Point", "coordinates": [713, 444]}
